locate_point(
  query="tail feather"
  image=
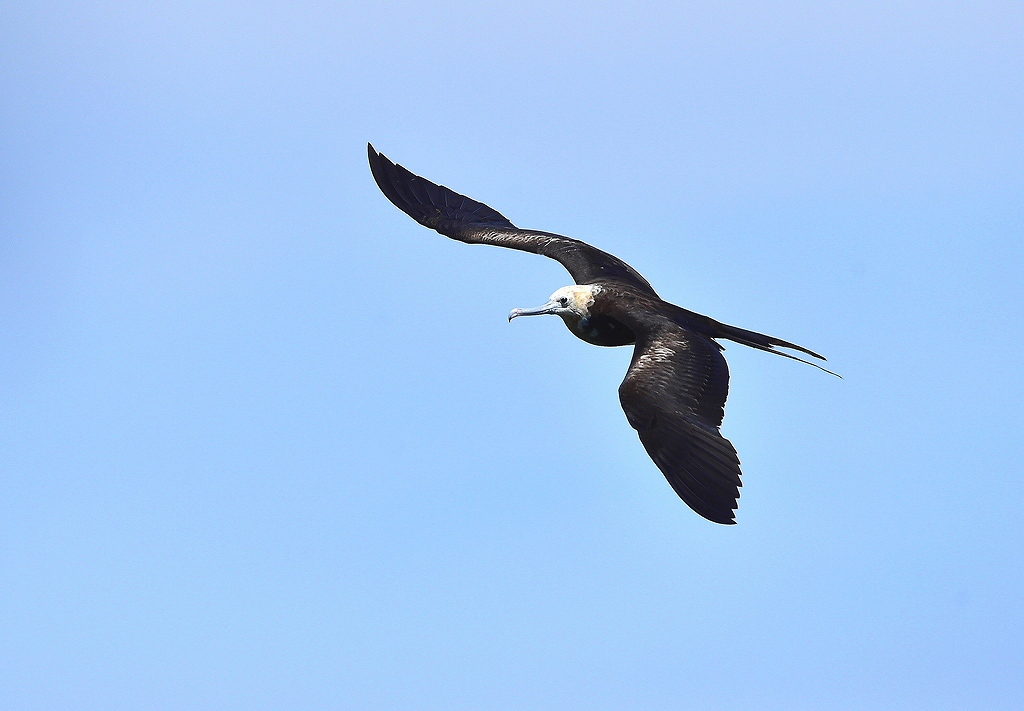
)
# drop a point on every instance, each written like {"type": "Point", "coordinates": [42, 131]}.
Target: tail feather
{"type": "Point", "coordinates": [767, 343]}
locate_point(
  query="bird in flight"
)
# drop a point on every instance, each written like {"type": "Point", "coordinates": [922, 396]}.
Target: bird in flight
{"type": "Point", "coordinates": [675, 389]}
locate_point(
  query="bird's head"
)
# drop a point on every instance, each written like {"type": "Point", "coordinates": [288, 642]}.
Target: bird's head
{"type": "Point", "coordinates": [572, 303]}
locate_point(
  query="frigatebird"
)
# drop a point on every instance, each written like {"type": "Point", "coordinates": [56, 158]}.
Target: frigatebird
{"type": "Point", "coordinates": [675, 389]}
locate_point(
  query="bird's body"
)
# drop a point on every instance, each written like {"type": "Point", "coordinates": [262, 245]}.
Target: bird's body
{"type": "Point", "coordinates": [675, 390]}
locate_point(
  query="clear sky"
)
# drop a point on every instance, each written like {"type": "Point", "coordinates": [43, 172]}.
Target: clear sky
{"type": "Point", "coordinates": [265, 443]}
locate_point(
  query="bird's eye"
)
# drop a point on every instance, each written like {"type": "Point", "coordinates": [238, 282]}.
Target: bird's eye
{"type": "Point", "coordinates": [564, 301]}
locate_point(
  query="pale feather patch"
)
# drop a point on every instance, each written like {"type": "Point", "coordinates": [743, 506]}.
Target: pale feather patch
{"type": "Point", "coordinates": [654, 357]}
{"type": "Point", "coordinates": [581, 296]}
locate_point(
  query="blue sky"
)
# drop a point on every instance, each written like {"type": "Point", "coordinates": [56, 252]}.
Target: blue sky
{"type": "Point", "coordinates": [268, 444]}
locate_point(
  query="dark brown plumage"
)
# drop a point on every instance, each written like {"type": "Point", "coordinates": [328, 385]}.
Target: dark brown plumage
{"type": "Point", "coordinates": [675, 390]}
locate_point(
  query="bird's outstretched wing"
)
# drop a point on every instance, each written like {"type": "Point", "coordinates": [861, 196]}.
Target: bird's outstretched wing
{"type": "Point", "coordinates": [467, 220]}
{"type": "Point", "coordinates": [674, 397]}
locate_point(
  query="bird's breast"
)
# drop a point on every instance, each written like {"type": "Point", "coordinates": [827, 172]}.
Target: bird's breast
{"type": "Point", "coordinates": [601, 330]}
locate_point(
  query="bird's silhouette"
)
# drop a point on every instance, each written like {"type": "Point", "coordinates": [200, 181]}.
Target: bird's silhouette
{"type": "Point", "coordinates": [675, 389]}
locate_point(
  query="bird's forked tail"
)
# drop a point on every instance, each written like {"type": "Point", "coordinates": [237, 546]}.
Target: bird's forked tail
{"type": "Point", "coordinates": [767, 343]}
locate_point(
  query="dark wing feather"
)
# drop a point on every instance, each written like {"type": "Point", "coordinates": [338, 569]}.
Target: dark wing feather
{"type": "Point", "coordinates": [467, 220]}
{"type": "Point", "coordinates": [674, 397]}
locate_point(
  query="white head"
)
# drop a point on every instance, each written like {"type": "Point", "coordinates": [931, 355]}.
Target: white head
{"type": "Point", "coordinates": [572, 303]}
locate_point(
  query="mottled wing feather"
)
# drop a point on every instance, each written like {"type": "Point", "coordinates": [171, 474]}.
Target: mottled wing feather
{"type": "Point", "coordinates": [467, 220]}
{"type": "Point", "coordinates": [674, 397]}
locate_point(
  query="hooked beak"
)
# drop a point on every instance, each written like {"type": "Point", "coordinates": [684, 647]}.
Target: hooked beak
{"type": "Point", "coordinates": [548, 308]}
